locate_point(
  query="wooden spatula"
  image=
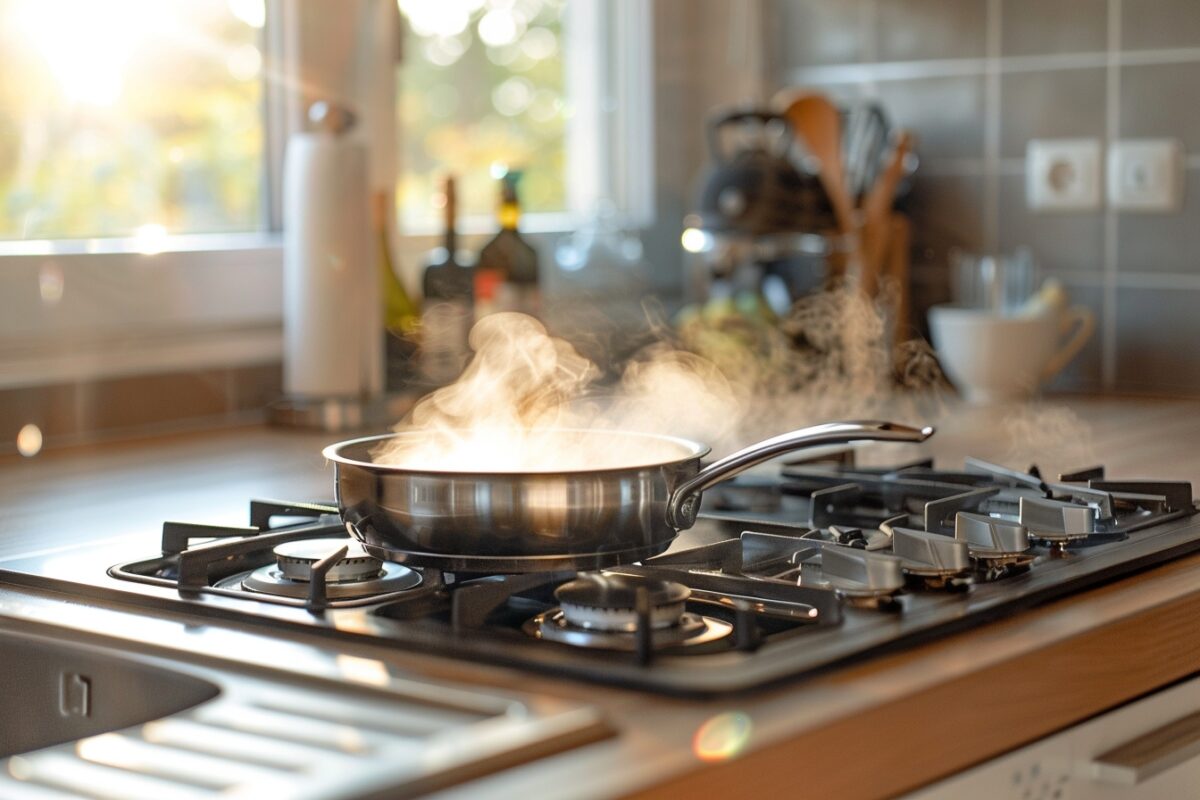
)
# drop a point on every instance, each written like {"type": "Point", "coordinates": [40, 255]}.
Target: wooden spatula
{"type": "Point", "coordinates": [877, 212]}
{"type": "Point", "coordinates": [816, 121]}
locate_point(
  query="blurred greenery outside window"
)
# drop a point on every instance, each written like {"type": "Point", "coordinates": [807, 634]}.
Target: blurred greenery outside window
{"type": "Point", "coordinates": [146, 119]}
{"type": "Point", "coordinates": [131, 118]}
{"type": "Point", "coordinates": [481, 90]}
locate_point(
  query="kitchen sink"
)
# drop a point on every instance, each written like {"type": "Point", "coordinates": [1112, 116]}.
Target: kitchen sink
{"type": "Point", "coordinates": [102, 719]}
{"type": "Point", "coordinates": [55, 692]}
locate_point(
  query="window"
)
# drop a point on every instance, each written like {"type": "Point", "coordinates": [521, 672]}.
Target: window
{"type": "Point", "coordinates": [558, 89]}
{"type": "Point", "coordinates": [481, 88]}
{"type": "Point", "coordinates": [130, 118]}
{"type": "Point", "coordinates": [158, 127]}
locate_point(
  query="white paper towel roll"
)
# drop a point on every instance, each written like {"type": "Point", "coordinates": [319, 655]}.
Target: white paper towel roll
{"type": "Point", "coordinates": [332, 314]}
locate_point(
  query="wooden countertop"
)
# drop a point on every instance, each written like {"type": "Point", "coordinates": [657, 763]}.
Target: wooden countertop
{"type": "Point", "coordinates": [876, 729]}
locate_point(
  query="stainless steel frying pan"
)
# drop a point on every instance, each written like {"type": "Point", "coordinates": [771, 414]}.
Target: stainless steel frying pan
{"type": "Point", "coordinates": [532, 521]}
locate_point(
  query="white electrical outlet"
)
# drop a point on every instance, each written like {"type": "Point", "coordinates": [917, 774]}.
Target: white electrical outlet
{"type": "Point", "coordinates": [1062, 174]}
{"type": "Point", "coordinates": [1145, 175]}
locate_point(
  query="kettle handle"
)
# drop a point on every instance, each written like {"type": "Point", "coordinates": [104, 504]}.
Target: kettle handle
{"type": "Point", "coordinates": [741, 115]}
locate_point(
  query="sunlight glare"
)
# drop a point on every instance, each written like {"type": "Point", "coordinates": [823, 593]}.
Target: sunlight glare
{"type": "Point", "coordinates": [150, 239]}
{"type": "Point", "coordinates": [88, 57]}
{"type": "Point", "coordinates": [500, 26]}
{"type": "Point", "coordinates": [251, 12]}
{"type": "Point", "coordinates": [695, 240]}
{"type": "Point", "coordinates": [244, 62]}
{"type": "Point", "coordinates": [442, 18]}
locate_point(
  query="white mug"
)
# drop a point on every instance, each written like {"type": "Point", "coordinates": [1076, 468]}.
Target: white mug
{"type": "Point", "coordinates": [993, 357]}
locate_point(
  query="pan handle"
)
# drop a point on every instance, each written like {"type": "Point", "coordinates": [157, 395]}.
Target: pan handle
{"type": "Point", "coordinates": [684, 502]}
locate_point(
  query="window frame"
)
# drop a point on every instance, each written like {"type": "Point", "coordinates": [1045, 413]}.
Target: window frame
{"type": "Point", "coordinates": [608, 55]}
{"type": "Point", "coordinates": [225, 289]}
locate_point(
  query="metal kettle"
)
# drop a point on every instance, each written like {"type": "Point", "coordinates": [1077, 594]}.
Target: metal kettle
{"type": "Point", "coordinates": [753, 187]}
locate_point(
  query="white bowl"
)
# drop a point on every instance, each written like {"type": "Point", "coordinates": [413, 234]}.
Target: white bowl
{"type": "Point", "coordinates": [994, 358]}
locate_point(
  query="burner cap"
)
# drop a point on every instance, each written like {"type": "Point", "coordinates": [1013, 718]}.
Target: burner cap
{"type": "Point", "coordinates": [295, 560]}
{"type": "Point", "coordinates": [609, 602]}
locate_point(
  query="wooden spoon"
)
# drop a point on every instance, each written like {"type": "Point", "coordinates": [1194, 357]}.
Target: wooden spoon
{"type": "Point", "coordinates": [815, 120]}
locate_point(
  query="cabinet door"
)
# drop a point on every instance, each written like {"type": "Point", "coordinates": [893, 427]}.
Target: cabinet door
{"type": "Point", "coordinates": [1145, 750]}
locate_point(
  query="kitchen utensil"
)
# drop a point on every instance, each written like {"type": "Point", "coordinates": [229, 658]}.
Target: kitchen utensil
{"type": "Point", "coordinates": [752, 187]}
{"type": "Point", "coordinates": [863, 145]}
{"type": "Point", "coordinates": [994, 358]}
{"type": "Point", "coordinates": [533, 521]}
{"type": "Point", "coordinates": [876, 216]}
{"type": "Point", "coordinates": [815, 119]}
{"type": "Point", "coordinates": [897, 271]}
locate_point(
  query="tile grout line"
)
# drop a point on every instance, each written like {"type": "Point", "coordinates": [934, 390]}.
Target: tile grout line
{"type": "Point", "coordinates": [868, 19]}
{"type": "Point", "coordinates": [991, 134]}
{"type": "Point", "coordinates": [870, 71]}
{"type": "Point", "coordinates": [1097, 279]}
{"type": "Point", "coordinates": [1112, 122]}
{"type": "Point", "coordinates": [1006, 166]}
{"type": "Point", "coordinates": [867, 14]}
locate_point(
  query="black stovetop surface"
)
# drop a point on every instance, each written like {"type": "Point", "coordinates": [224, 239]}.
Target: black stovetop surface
{"type": "Point", "coordinates": [486, 618]}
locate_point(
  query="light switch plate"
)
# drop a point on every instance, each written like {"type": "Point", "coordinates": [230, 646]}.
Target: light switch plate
{"type": "Point", "coordinates": [1145, 175]}
{"type": "Point", "coordinates": [1062, 174]}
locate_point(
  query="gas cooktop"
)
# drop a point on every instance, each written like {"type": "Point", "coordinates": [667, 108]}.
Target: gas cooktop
{"type": "Point", "coordinates": [784, 575]}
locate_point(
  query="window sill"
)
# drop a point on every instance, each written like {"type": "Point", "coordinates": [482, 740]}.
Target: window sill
{"type": "Point", "coordinates": [214, 243]}
{"type": "Point", "coordinates": [486, 225]}
{"type": "Point", "coordinates": [90, 314]}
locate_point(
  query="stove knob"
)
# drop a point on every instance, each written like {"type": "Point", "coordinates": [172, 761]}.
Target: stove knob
{"type": "Point", "coordinates": [923, 550]}
{"type": "Point", "coordinates": [1056, 519]}
{"type": "Point", "coordinates": [990, 534]}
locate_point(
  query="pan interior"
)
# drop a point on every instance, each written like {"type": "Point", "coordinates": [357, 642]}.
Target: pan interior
{"type": "Point", "coordinates": [549, 451]}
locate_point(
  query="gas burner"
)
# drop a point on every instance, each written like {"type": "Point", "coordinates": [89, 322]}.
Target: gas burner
{"type": "Point", "coordinates": [604, 611]}
{"type": "Point", "coordinates": [857, 538]}
{"type": "Point", "coordinates": [356, 574]}
{"type": "Point", "coordinates": [865, 579]}
{"type": "Point", "coordinates": [932, 559]}
{"type": "Point", "coordinates": [990, 568]}
{"type": "Point", "coordinates": [998, 547]}
{"type": "Point", "coordinates": [690, 630]}
{"type": "Point", "coordinates": [295, 560]}
{"type": "Point", "coordinates": [1056, 523]}
{"type": "Point", "coordinates": [989, 537]}
{"type": "Point", "coordinates": [605, 602]}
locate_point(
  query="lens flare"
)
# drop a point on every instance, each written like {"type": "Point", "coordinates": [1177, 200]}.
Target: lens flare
{"type": "Point", "coordinates": [251, 12]}
{"type": "Point", "coordinates": [695, 240]}
{"type": "Point", "coordinates": [722, 737]}
{"type": "Point", "coordinates": [29, 440]}
{"type": "Point", "coordinates": [51, 283]}
{"type": "Point", "coordinates": [87, 45]}
{"type": "Point", "coordinates": [501, 26]}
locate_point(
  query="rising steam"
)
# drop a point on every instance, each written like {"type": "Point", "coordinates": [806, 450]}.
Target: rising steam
{"type": "Point", "coordinates": [529, 402]}
{"type": "Point", "coordinates": [532, 402]}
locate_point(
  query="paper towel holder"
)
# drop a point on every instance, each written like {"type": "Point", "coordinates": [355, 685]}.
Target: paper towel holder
{"type": "Point", "coordinates": [342, 411]}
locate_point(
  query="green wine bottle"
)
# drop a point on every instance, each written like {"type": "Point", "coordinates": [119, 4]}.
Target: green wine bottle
{"type": "Point", "coordinates": [401, 315]}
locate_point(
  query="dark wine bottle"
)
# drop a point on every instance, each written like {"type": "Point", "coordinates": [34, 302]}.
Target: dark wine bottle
{"type": "Point", "coordinates": [449, 298]}
{"type": "Point", "coordinates": [508, 264]}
